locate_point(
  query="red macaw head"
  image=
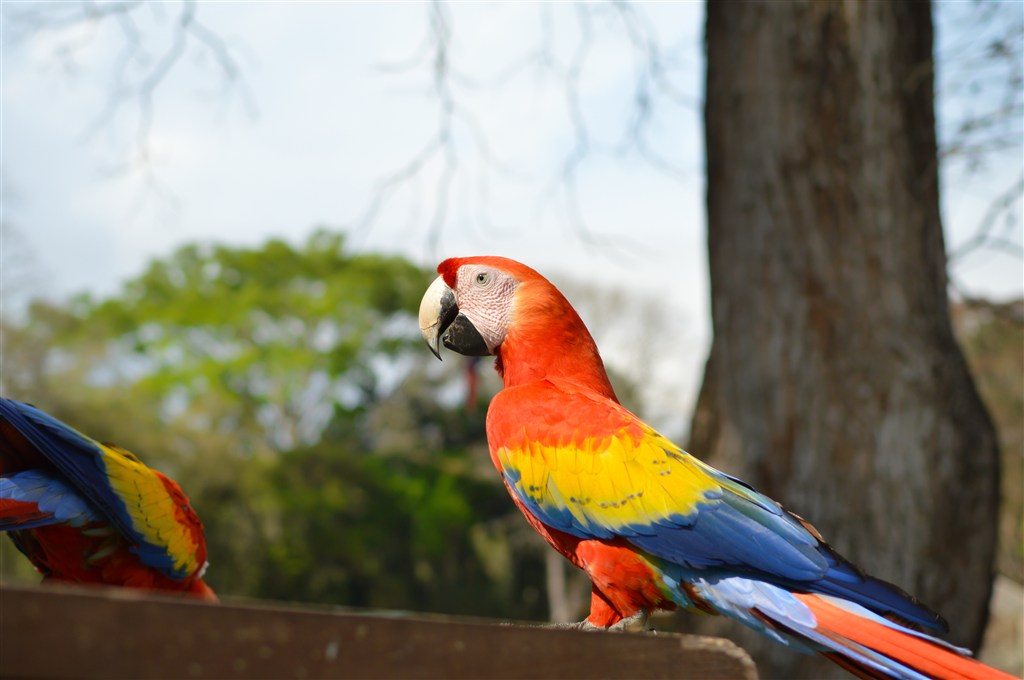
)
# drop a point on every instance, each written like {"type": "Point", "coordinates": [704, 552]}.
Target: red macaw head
{"type": "Point", "coordinates": [469, 307]}
{"type": "Point", "coordinates": [493, 305]}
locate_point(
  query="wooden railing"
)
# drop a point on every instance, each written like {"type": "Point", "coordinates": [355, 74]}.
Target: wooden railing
{"type": "Point", "coordinates": [57, 632]}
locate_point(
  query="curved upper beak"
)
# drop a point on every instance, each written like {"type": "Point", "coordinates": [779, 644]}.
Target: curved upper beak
{"type": "Point", "coordinates": [437, 311]}
{"type": "Point", "coordinates": [442, 322]}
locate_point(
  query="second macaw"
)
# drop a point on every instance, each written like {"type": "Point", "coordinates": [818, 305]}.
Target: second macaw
{"type": "Point", "coordinates": [652, 526]}
{"type": "Point", "coordinates": [92, 513]}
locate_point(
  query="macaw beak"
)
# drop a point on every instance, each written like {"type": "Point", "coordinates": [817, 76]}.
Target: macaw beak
{"type": "Point", "coordinates": [442, 322]}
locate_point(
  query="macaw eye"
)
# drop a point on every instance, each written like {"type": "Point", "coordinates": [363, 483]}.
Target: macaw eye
{"type": "Point", "coordinates": [483, 278]}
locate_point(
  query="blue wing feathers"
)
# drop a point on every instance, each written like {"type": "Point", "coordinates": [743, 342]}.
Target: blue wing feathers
{"type": "Point", "coordinates": [722, 526]}
{"type": "Point", "coordinates": [745, 533]}
{"type": "Point", "coordinates": [55, 501]}
{"type": "Point", "coordinates": [76, 456]}
{"type": "Point", "coordinates": [728, 530]}
{"type": "Point", "coordinates": [728, 538]}
{"type": "Point", "coordinates": [838, 576]}
{"type": "Point", "coordinates": [50, 474]}
{"type": "Point", "coordinates": [723, 536]}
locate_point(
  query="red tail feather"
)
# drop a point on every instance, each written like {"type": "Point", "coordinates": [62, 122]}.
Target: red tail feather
{"type": "Point", "coordinates": [17, 514]}
{"type": "Point", "coordinates": [926, 657]}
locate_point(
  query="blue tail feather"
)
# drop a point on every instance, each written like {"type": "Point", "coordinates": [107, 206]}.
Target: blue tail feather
{"type": "Point", "coordinates": [845, 580]}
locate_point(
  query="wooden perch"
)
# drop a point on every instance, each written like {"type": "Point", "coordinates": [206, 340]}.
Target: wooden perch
{"type": "Point", "coordinates": [60, 632]}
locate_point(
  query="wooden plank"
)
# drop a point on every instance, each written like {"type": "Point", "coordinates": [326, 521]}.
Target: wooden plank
{"type": "Point", "coordinates": [60, 632]}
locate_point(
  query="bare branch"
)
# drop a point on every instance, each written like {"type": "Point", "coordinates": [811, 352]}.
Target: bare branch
{"type": "Point", "coordinates": [652, 84]}
{"type": "Point", "coordinates": [449, 85]}
{"type": "Point", "coordinates": [983, 236]}
{"type": "Point", "coordinates": [979, 90]}
{"type": "Point", "coordinates": [440, 146]}
{"type": "Point", "coordinates": [127, 88]}
{"type": "Point", "coordinates": [983, 72]}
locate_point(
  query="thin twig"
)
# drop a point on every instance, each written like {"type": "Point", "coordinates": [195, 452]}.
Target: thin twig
{"type": "Point", "coordinates": [449, 89]}
{"type": "Point", "coordinates": [982, 236]}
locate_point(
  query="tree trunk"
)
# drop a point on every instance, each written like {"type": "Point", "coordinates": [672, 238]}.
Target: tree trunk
{"type": "Point", "coordinates": [834, 383]}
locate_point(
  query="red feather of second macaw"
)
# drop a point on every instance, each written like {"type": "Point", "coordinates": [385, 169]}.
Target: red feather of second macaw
{"type": "Point", "coordinates": [68, 536]}
{"type": "Point", "coordinates": [184, 515]}
{"type": "Point", "coordinates": [96, 555]}
{"type": "Point", "coordinates": [11, 511]}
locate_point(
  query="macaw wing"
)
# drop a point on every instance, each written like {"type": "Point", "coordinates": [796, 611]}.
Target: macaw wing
{"type": "Point", "coordinates": [147, 508]}
{"type": "Point", "coordinates": [585, 465]}
{"type": "Point", "coordinates": [35, 498]}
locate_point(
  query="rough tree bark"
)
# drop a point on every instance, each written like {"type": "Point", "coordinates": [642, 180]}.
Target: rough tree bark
{"type": "Point", "coordinates": [834, 383]}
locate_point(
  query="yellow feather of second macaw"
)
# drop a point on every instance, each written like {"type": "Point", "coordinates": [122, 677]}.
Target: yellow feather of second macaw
{"type": "Point", "coordinates": [152, 509]}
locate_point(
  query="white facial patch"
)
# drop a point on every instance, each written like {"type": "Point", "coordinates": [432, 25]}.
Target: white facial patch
{"type": "Point", "coordinates": [485, 296]}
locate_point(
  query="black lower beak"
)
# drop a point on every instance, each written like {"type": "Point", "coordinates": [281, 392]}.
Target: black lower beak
{"type": "Point", "coordinates": [462, 336]}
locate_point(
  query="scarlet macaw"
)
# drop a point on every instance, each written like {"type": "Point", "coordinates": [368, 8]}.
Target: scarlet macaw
{"type": "Point", "coordinates": [86, 512]}
{"type": "Point", "coordinates": [652, 526]}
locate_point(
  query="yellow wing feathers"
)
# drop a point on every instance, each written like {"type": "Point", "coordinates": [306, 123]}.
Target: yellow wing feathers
{"type": "Point", "coordinates": [155, 514]}
{"type": "Point", "coordinates": [613, 481]}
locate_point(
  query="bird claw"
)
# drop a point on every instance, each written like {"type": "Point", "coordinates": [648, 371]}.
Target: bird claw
{"type": "Point", "coordinates": [636, 623]}
{"type": "Point", "coordinates": [575, 625]}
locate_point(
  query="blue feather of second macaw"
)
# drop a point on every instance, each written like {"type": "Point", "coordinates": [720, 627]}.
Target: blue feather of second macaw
{"type": "Point", "coordinates": [56, 500]}
{"type": "Point", "coordinates": [78, 457]}
{"type": "Point", "coordinates": [126, 493]}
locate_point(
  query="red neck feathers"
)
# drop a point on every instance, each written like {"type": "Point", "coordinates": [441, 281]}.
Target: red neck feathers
{"type": "Point", "coordinates": [548, 340]}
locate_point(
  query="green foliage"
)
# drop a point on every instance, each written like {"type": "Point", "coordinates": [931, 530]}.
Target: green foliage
{"type": "Point", "coordinates": [257, 338]}
{"type": "Point", "coordinates": [383, 532]}
{"type": "Point", "coordinates": [391, 509]}
{"type": "Point", "coordinates": [287, 390]}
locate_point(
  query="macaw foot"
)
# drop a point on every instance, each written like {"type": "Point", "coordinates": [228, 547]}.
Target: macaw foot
{"type": "Point", "coordinates": [572, 625]}
{"type": "Point", "coordinates": [635, 623]}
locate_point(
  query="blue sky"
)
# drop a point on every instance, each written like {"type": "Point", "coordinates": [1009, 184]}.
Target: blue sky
{"type": "Point", "coordinates": [321, 113]}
